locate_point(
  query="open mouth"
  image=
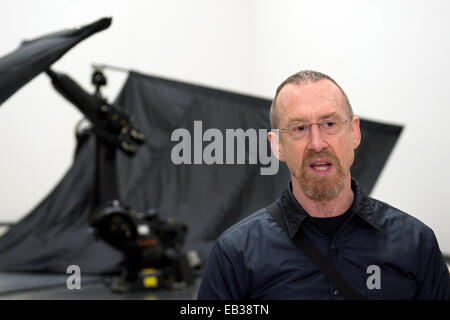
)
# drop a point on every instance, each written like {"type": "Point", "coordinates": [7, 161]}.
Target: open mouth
{"type": "Point", "coordinates": [321, 166]}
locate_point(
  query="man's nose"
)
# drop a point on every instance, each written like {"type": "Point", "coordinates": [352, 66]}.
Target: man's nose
{"type": "Point", "coordinates": [317, 141]}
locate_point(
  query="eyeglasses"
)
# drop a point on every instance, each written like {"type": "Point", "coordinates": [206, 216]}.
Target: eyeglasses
{"type": "Point", "coordinates": [298, 130]}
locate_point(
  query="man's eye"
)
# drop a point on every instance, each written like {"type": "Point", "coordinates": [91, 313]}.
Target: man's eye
{"type": "Point", "coordinates": [300, 128]}
{"type": "Point", "coordinates": [329, 124]}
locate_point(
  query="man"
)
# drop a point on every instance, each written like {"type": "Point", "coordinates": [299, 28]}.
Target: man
{"type": "Point", "coordinates": [381, 252]}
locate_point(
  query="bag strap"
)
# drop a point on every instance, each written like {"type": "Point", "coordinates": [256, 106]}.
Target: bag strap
{"type": "Point", "coordinates": [307, 245]}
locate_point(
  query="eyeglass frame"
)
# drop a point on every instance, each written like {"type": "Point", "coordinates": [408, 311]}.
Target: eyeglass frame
{"type": "Point", "coordinates": [309, 125]}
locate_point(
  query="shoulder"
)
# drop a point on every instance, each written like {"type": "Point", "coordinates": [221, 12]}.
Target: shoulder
{"type": "Point", "coordinates": [396, 221]}
{"type": "Point", "coordinates": [257, 220]}
{"type": "Point", "coordinates": [247, 231]}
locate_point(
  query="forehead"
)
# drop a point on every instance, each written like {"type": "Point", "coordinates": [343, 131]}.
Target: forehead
{"type": "Point", "coordinates": [309, 101]}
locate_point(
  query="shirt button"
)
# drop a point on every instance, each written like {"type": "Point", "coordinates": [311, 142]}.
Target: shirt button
{"type": "Point", "coordinates": [333, 247]}
{"type": "Point", "coordinates": [336, 292]}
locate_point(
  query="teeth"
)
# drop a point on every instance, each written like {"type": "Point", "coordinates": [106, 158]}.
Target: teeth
{"type": "Point", "coordinates": [321, 168]}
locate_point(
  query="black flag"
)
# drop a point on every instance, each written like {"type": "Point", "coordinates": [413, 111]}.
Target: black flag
{"type": "Point", "coordinates": [35, 56]}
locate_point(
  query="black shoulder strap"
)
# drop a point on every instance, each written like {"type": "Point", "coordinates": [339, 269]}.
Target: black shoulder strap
{"type": "Point", "coordinates": [308, 247]}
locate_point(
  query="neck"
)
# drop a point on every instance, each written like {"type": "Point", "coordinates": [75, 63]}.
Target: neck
{"type": "Point", "coordinates": [324, 209]}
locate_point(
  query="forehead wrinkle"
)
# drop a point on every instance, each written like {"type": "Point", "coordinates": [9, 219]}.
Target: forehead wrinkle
{"type": "Point", "coordinates": [325, 116]}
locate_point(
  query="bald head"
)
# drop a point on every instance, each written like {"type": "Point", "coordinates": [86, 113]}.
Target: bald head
{"type": "Point", "coordinates": [303, 78]}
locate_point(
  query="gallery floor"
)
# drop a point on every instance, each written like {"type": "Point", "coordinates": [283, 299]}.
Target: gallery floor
{"type": "Point", "coordinates": [38, 286]}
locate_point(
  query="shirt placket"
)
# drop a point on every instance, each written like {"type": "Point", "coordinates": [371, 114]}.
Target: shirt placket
{"type": "Point", "coordinates": [334, 293]}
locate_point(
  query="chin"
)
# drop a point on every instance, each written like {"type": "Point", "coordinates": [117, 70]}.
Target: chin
{"type": "Point", "coordinates": [322, 188]}
{"type": "Point", "coordinates": [320, 193]}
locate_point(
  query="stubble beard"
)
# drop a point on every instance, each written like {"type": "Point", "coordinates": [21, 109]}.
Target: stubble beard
{"type": "Point", "coordinates": [321, 188]}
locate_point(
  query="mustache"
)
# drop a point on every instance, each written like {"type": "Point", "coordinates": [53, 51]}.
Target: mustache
{"type": "Point", "coordinates": [310, 155]}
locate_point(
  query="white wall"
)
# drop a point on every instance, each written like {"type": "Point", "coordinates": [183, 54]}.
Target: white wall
{"type": "Point", "coordinates": [391, 57]}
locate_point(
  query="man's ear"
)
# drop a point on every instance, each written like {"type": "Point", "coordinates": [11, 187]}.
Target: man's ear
{"type": "Point", "coordinates": [356, 132]}
{"type": "Point", "coordinates": [274, 140]}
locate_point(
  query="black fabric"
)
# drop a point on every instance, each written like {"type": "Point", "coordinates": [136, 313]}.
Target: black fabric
{"type": "Point", "coordinates": [35, 56]}
{"type": "Point", "coordinates": [307, 246]}
{"type": "Point", "coordinates": [56, 234]}
{"type": "Point", "coordinates": [208, 198]}
{"type": "Point", "coordinates": [330, 226]}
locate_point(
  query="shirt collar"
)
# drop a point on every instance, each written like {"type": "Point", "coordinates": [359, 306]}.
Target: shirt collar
{"type": "Point", "coordinates": [295, 214]}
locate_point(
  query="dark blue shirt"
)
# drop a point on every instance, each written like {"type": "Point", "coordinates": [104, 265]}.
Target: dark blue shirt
{"type": "Point", "coordinates": [382, 252]}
